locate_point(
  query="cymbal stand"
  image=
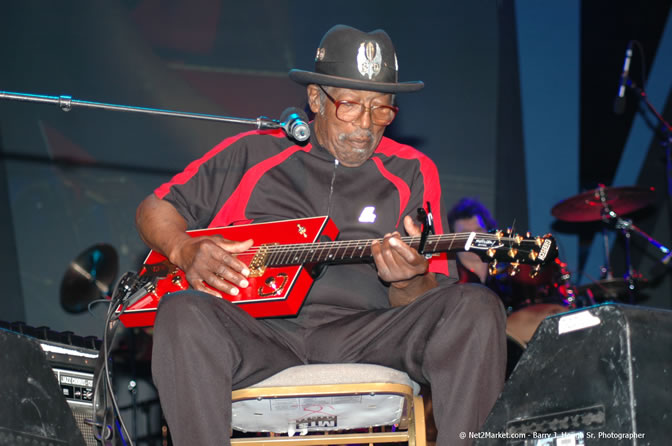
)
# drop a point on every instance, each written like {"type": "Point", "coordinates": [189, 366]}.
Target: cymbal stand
{"type": "Point", "coordinates": [627, 228]}
{"type": "Point", "coordinates": [607, 271]}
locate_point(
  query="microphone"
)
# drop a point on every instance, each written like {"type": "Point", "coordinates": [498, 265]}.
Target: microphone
{"type": "Point", "coordinates": [619, 101]}
{"type": "Point", "coordinates": [293, 122]}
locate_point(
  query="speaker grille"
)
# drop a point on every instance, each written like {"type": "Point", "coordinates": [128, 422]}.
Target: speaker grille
{"type": "Point", "coordinates": [81, 414]}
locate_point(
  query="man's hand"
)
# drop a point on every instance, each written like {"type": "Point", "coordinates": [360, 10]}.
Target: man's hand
{"type": "Point", "coordinates": [402, 266]}
{"type": "Point", "coordinates": [212, 259]}
{"type": "Point", "coordinates": [396, 261]}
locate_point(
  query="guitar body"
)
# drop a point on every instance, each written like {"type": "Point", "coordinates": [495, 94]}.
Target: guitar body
{"type": "Point", "coordinates": [286, 251]}
{"type": "Point", "coordinates": [275, 291]}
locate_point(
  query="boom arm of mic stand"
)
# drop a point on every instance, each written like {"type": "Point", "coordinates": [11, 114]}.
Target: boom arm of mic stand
{"type": "Point", "coordinates": [66, 103]}
{"type": "Point", "coordinates": [667, 143]}
{"type": "Point", "coordinates": [640, 92]}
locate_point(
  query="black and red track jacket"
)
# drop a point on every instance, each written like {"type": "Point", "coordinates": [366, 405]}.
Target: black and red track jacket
{"type": "Point", "coordinates": [263, 176]}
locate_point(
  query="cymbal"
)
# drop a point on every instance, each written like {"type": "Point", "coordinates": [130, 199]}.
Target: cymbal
{"type": "Point", "coordinates": [613, 288]}
{"type": "Point", "coordinates": [588, 206]}
{"type": "Point", "coordinates": [88, 277]}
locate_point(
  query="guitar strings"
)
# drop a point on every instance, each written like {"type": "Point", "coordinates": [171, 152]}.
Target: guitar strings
{"type": "Point", "coordinates": [365, 244]}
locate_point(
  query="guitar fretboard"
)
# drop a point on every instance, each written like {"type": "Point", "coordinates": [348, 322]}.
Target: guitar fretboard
{"type": "Point", "coordinates": [296, 254]}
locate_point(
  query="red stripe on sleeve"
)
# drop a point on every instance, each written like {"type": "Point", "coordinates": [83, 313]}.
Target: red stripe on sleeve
{"type": "Point", "coordinates": [234, 208]}
{"type": "Point", "coordinates": [432, 190]}
{"type": "Point", "coordinates": [184, 176]}
{"type": "Point", "coordinates": [402, 187]}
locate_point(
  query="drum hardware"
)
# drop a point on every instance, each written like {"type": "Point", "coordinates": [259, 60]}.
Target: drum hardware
{"type": "Point", "coordinates": [612, 288]}
{"type": "Point", "coordinates": [606, 204]}
{"type": "Point", "coordinates": [89, 277]}
{"type": "Point", "coordinates": [592, 205]}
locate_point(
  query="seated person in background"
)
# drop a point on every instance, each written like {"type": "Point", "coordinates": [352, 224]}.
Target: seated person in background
{"type": "Point", "coordinates": [525, 299]}
{"type": "Point", "coordinates": [401, 310]}
{"type": "Point", "coordinates": [470, 215]}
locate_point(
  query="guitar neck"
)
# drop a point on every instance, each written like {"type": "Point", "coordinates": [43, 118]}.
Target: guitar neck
{"type": "Point", "coordinates": [340, 251]}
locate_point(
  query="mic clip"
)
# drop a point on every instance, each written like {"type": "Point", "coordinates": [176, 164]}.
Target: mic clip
{"type": "Point", "coordinates": [265, 123]}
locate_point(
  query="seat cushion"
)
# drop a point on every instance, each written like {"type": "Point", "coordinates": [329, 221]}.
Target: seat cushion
{"type": "Point", "coordinates": [323, 412]}
{"type": "Point", "coordinates": [316, 374]}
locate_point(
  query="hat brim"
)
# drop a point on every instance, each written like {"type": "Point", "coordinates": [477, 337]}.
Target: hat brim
{"type": "Point", "coordinates": [307, 77]}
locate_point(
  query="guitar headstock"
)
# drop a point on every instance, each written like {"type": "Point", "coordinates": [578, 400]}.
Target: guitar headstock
{"type": "Point", "coordinates": [514, 249]}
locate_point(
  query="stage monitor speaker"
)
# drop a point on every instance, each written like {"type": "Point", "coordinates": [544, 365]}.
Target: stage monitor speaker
{"type": "Point", "coordinates": [33, 410]}
{"type": "Point", "coordinates": [599, 375]}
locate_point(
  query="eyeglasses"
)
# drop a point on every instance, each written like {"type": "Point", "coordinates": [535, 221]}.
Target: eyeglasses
{"type": "Point", "coordinates": [349, 111]}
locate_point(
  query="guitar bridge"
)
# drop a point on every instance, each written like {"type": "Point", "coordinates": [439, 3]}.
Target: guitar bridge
{"type": "Point", "coordinates": [258, 264]}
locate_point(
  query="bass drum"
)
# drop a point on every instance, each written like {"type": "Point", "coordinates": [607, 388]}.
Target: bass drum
{"type": "Point", "coordinates": [520, 327]}
{"type": "Point", "coordinates": [522, 324]}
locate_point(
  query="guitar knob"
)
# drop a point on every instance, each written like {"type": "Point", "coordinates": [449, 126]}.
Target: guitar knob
{"type": "Point", "coordinates": [177, 281]}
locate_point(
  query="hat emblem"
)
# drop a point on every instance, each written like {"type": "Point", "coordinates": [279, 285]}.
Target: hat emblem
{"type": "Point", "coordinates": [369, 59]}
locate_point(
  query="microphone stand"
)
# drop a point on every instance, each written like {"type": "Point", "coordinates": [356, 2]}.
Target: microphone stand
{"type": "Point", "coordinates": [666, 143]}
{"type": "Point", "coordinates": [666, 128]}
{"type": "Point", "coordinates": [66, 103]}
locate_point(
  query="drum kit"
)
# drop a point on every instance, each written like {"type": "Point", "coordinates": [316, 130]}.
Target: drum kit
{"type": "Point", "coordinates": [529, 301]}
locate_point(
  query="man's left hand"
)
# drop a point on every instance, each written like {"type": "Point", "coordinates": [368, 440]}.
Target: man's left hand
{"type": "Point", "coordinates": [396, 261]}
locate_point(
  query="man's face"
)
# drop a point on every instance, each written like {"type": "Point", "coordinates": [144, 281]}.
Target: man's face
{"type": "Point", "coordinates": [471, 224]}
{"type": "Point", "coordinates": [352, 143]}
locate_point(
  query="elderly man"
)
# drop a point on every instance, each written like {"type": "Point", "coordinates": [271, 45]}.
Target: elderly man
{"type": "Point", "coordinates": [401, 310]}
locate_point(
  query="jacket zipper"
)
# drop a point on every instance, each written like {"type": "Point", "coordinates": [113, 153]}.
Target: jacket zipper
{"type": "Point", "coordinates": [331, 187]}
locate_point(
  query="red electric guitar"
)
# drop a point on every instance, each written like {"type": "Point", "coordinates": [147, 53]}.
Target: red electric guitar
{"type": "Point", "coordinates": [286, 251]}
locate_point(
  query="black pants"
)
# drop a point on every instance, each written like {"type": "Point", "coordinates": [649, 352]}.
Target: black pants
{"type": "Point", "coordinates": [452, 338]}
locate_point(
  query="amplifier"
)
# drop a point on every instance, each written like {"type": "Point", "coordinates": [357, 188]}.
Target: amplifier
{"type": "Point", "coordinates": [72, 360]}
{"type": "Point", "coordinates": [599, 375]}
{"type": "Point", "coordinates": [33, 410]}
{"type": "Point", "coordinates": [74, 367]}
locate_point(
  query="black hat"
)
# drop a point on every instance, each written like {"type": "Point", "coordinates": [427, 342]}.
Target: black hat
{"type": "Point", "coordinates": [350, 58]}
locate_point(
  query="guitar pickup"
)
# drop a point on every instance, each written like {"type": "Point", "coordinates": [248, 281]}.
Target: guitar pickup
{"type": "Point", "coordinates": [259, 261]}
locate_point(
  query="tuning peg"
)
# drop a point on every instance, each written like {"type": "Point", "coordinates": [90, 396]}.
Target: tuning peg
{"type": "Point", "coordinates": [499, 234]}
{"type": "Point", "coordinates": [512, 252]}
{"type": "Point", "coordinates": [491, 253]}
{"type": "Point", "coordinates": [518, 239]}
{"type": "Point", "coordinates": [533, 255]}
{"type": "Point", "coordinates": [539, 241]}
{"type": "Point", "coordinates": [534, 272]}
{"type": "Point", "coordinates": [528, 234]}
{"type": "Point", "coordinates": [513, 269]}
{"type": "Point", "coordinates": [492, 268]}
